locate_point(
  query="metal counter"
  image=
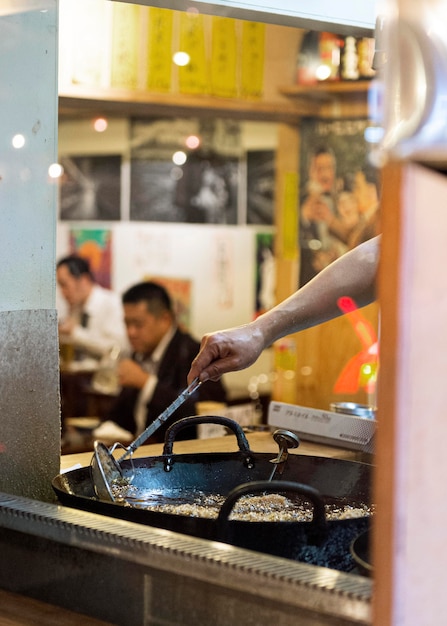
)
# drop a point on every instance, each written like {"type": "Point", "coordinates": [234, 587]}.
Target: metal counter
{"type": "Point", "coordinates": [129, 574]}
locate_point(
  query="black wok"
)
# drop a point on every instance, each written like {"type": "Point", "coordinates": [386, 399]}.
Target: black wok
{"type": "Point", "coordinates": [361, 552]}
{"type": "Point", "coordinates": [181, 478]}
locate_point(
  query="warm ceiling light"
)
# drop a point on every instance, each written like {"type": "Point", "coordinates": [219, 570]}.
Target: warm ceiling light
{"type": "Point", "coordinates": [181, 58]}
{"type": "Point", "coordinates": [192, 142]}
{"type": "Point", "coordinates": [100, 124]}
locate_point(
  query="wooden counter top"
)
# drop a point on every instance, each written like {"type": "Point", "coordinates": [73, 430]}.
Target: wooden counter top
{"type": "Point", "coordinates": [19, 610]}
{"type": "Point", "coordinates": [259, 442]}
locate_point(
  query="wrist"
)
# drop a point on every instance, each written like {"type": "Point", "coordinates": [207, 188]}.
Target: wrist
{"type": "Point", "coordinates": [260, 335]}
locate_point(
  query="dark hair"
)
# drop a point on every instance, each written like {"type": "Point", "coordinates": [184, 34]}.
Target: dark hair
{"type": "Point", "coordinates": [318, 151]}
{"type": "Point", "coordinates": [322, 149]}
{"type": "Point", "coordinates": [76, 265]}
{"type": "Point", "coordinates": [156, 297]}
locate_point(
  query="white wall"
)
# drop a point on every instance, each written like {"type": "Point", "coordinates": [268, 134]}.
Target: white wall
{"type": "Point", "coordinates": [219, 261]}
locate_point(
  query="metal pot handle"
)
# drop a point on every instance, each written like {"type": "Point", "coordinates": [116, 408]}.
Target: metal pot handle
{"type": "Point", "coordinates": [318, 527]}
{"type": "Point", "coordinates": [175, 428]}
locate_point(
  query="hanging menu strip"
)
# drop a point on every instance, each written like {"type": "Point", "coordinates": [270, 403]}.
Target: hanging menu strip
{"type": "Point", "coordinates": [252, 78]}
{"type": "Point", "coordinates": [223, 57]}
{"type": "Point", "coordinates": [159, 50]}
{"type": "Point", "coordinates": [193, 77]}
{"type": "Point", "coordinates": [125, 40]}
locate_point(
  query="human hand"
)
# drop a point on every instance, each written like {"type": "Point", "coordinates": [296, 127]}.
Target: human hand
{"type": "Point", "coordinates": [226, 351]}
{"type": "Point", "coordinates": [316, 209]}
{"type": "Point", "coordinates": [130, 374]}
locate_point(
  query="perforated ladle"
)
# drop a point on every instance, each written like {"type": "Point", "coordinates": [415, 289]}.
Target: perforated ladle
{"type": "Point", "coordinates": [106, 469]}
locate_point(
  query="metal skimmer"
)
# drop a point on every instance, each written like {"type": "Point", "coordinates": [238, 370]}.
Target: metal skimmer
{"type": "Point", "coordinates": [106, 469]}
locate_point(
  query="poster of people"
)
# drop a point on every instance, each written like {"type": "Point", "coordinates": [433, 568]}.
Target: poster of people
{"type": "Point", "coordinates": [339, 192]}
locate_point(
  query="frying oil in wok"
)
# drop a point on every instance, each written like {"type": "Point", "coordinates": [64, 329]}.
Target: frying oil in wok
{"type": "Point", "coordinates": [251, 508]}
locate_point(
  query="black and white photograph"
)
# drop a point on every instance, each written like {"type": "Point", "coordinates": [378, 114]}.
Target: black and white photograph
{"type": "Point", "coordinates": [201, 190]}
{"type": "Point", "coordinates": [260, 187]}
{"type": "Point", "coordinates": [91, 188]}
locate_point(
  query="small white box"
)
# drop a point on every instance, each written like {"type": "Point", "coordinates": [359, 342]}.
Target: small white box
{"type": "Point", "coordinates": [336, 429]}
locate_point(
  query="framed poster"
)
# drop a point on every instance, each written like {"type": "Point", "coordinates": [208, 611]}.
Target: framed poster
{"type": "Point", "coordinates": [95, 245]}
{"type": "Point", "coordinates": [202, 189]}
{"type": "Point", "coordinates": [339, 192]}
{"type": "Point", "coordinates": [90, 188]}
{"type": "Point", "coordinates": [260, 186]}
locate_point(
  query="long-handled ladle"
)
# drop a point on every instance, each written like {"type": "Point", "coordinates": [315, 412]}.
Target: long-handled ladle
{"type": "Point", "coordinates": [106, 469]}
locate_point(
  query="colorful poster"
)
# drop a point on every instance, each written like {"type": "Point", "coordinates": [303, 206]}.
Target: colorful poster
{"type": "Point", "coordinates": [159, 50]}
{"type": "Point", "coordinates": [180, 291]}
{"type": "Point", "coordinates": [223, 57]}
{"type": "Point", "coordinates": [339, 192]}
{"type": "Point", "coordinates": [96, 246]}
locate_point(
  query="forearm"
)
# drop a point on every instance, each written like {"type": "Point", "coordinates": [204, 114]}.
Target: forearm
{"type": "Point", "coordinates": [234, 349]}
{"type": "Point", "coordinates": [351, 275]}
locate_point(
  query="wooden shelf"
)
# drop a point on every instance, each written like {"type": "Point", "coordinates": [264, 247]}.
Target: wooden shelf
{"type": "Point", "coordinates": [325, 99]}
{"type": "Point", "coordinates": [332, 99]}
{"type": "Point", "coordinates": [76, 101]}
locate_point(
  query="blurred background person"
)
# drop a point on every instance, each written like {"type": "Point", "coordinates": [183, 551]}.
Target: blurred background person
{"type": "Point", "coordinates": [157, 371]}
{"type": "Point", "coordinates": [94, 324]}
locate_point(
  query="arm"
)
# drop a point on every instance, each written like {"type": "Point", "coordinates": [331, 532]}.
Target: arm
{"type": "Point", "coordinates": [351, 275]}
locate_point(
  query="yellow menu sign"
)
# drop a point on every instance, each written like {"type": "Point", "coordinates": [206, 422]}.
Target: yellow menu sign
{"type": "Point", "coordinates": [290, 215]}
{"type": "Point", "coordinates": [125, 39]}
{"type": "Point", "coordinates": [159, 50]}
{"type": "Point", "coordinates": [223, 57]}
{"type": "Point", "coordinates": [193, 78]}
{"type": "Point", "coordinates": [252, 60]}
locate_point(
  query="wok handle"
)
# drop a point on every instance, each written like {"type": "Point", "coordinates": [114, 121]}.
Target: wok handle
{"type": "Point", "coordinates": [175, 428]}
{"type": "Point", "coordinates": [317, 527]}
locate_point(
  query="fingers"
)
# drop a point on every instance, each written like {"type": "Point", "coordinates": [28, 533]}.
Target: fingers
{"type": "Point", "coordinates": [224, 351]}
{"type": "Point", "coordinates": [207, 354]}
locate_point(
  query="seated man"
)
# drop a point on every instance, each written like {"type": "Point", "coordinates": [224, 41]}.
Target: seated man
{"type": "Point", "coordinates": [92, 328]}
{"type": "Point", "coordinates": [156, 374]}
{"type": "Point", "coordinates": [94, 323]}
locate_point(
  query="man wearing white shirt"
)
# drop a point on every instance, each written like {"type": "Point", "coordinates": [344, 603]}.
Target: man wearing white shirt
{"type": "Point", "coordinates": [95, 321]}
{"type": "Point", "coordinates": [156, 374]}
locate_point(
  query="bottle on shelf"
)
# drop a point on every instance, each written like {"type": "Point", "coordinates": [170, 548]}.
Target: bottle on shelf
{"type": "Point", "coordinates": [308, 58]}
{"type": "Point", "coordinates": [329, 52]}
{"type": "Point", "coordinates": [349, 69]}
{"type": "Point", "coordinates": [365, 52]}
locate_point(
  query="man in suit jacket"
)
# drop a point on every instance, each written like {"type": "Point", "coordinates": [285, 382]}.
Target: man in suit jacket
{"type": "Point", "coordinates": [157, 371]}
